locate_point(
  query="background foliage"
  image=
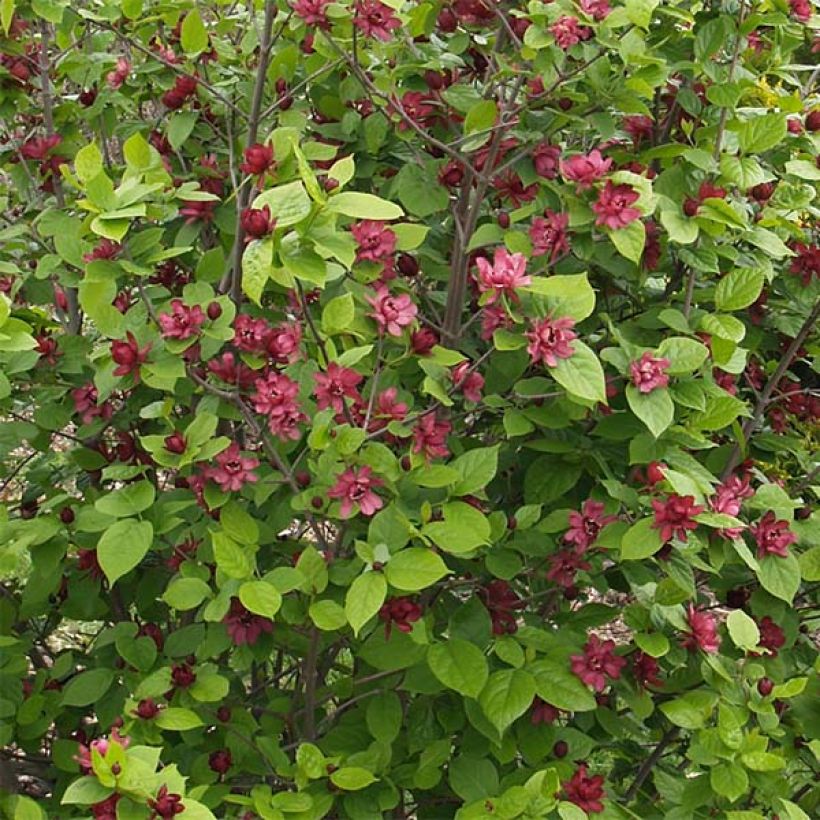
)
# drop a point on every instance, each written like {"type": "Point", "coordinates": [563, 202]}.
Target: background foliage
{"type": "Point", "coordinates": [409, 410]}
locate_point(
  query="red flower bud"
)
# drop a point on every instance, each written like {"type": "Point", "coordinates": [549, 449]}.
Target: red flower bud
{"type": "Point", "coordinates": [813, 120]}
{"type": "Point", "coordinates": [67, 515]}
{"type": "Point", "coordinates": [447, 21]}
{"type": "Point", "coordinates": [214, 311]}
{"type": "Point", "coordinates": [433, 79]}
{"type": "Point", "coordinates": [407, 265]}
{"type": "Point", "coordinates": [765, 686]}
{"type": "Point", "coordinates": [175, 443]}
{"type": "Point", "coordinates": [560, 749]}
{"type": "Point", "coordinates": [257, 222]}
{"type": "Point", "coordinates": [87, 97]}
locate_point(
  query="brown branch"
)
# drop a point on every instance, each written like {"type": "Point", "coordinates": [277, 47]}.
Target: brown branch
{"type": "Point", "coordinates": [649, 764]}
{"type": "Point", "coordinates": [309, 676]}
{"type": "Point", "coordinates": [724, 112]}
{"type": "Point", "coordinates": [753, 423]}
{"type": "Point", "coordinates": [73, 316]}
{"type": "Point", "coordinates": [253, 130]}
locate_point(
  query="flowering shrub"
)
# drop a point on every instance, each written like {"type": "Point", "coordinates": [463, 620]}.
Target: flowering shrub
{"type": "Point", "coordinates": [409, 409]}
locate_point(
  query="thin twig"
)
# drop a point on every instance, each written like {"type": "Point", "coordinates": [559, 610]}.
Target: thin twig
{"type": "Point", "coordinates": [649, 764]}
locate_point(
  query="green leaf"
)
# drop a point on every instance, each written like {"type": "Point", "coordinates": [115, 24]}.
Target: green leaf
{"type": "Point", "coordinates": [763, 761]}
{"type": "Point", "coordinates": [685, 355]}
{"type": "Point", "coordinates": [209, 688]}
{"type": "Point", "coordinates": [720, 412]}
{"type": "Point", "coordinates": [177, 719]}
{"type": "Point", "coordinates": [137, 152]}
{"type": "Point", "coordinates": [180, 126]}
{"type": "Point", "coordinates": [257, 264]}
{"type": "Point", "coordinates": [639, 12]}
{"type": "Point", "coordinates": [342, 170]}
{"type": "Point", "coordinates": [363, 206]}
{"type": "Point", "coordinates": [193, 34]}
{"type": "Point", "coordinates": [729, 780]}
{"type": "Point", "coordinates": [682, 713]}
{"type": "Point", "coordinates": [655, 409]}
{"type": "Point", "coordinates": [288, 204]}
{"type": "Point", "coordinates": [681, 229]}
{"type": "Point", "coordinates": [571, 296]}
{"type": "Point", "coordinates": [131, 499]}
{"type": "Point", "coordinates": [581, 374]}
{"type": "Point", "coordinates": [463, 529]}
{"type": "Point", "coordinates": [556, 684]}
{"type": "Point", "coordinates": [338, 314]}
{"type": "Point", "coordinates": [352, 778]}
{"type": "Point", "coordinates": [810, 564]}
{"type": "Point", "coordinates": [481, 117]}
{"type": "Point", "coordinates": [780, 576]}
{"type": "Point", "coordinates": [6, 14]}
{"type": "Point", "coordinates": [186, 593]}
{"type": "Point", "coordinates": [88, 162]}
{"type": "Point", "coordinates": [477, 469]}
{"type": "Point", "coordinates": [769, 242]}
{"type": "Point", "coordinates": [640, 541]}
{"type": "Point", "coordinates": [87, 687]}
{"type": "Point", "coordinates": [364, 599]}
{"type": "Point", "coordinates": [384, 717]}
{"type": "Point", "coordinates": [739, 288]}
{"type": "Point", "coordinates": [415, 568]}
{"type": "Point", "coordinates": [655, 644]}
{"type": "Point", "coordinates": [230, 557]}
{"type": "Point", "coordinates": [742, 630]}
{"type": "Point", "coordinates": [506, 696]}
{"type": "Point", "coordinates": [122, 546]}
{"type": "Point", "coordinates": [761, 132]}
{"type": "Point", "coordinates": [327, 615]}
{"type": "Point", "coordinates": [629, 241]}
{"type": "Point", "coordinates": [85, 791]}
{"type": "Point", "coordinates": [409, 236]}
{"type": "Point", "coordinates": [418, 189]}
{"type": "Point", "coordinates": [260, 597]}
{"type": "Point", "coordinates": [459, 665]}
{"type": "Point", "coordinates": [472, 778]}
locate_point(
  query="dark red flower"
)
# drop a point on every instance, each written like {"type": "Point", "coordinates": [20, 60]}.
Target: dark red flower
{"type": "Point", "coordinates": [220, 761]}
{"type": "Point", "coordinates": [105, 249]}
{"type": "Point", "coordinates": [703, 631]}
{"type": "Point", "coordinates": [336, 385]}
{"type": "Point", "coordinates": [568, 32]}
{"type": "Point", "coordinates": [649, 372]}
{"type": "Point", "coordinates": [256, 222]}
{"type": "Point", "coordinates": [773, 537]}
{"type": "Point", "coordinates": [175, 443]}
{"type": "Point", "coordinates": [772, 637]}
{"type": "Point", "coordinates": [183, 551]}
{"type": "Point", "coordinates": [645, 670]}
{"type": "Point", "coordinates": [129, 356]}
{"type": "Point", "coordinates": [564, 566]}
{"type": "Point", "coordinates": [501, 602]}
{"type": "Point", "coordinates": [87, 560]}
{"type": "Point", "coordinates": [375, 241]}
{"type": "Point", "coordinates": [585, 791]}
{"type": "Point", "coordinates": [182, 676]}
{"type": "Point", "coordinates": [423, 340]}
{"type": "Point", "coordinates": [165, 805]}
{"type": "Point", "coordinates": [233, 470]}
{"type": "Point", "coordinates": [375, 19]}
{"type": "Point", "coordinates": [806, 264]}
{"type": "Point", "coordinates": [229, 370]}
{"type": "Point", "coordinates": [551, 339]}
{"type": "Point", "coordinates": [152, 631]}
{"type": "Point", "coordinates": [597, 663]}
{"type": "Point", "coordinates": [543, 712]}
{"type": "Point", "coordinates": [106, 809]}
{"type": "Point", "coordinates": [585, 526]}
{"type": "Point", "coordinates": [549, 235]}
{"type": "Point", "coordinates": [258, 160]}
{"type": "Point", "coordinates": [313, 12]}
{"type": "Point", "coordinates": [430, 436]}
{"type": "Point", "coordinates": [182, 322]}
{"type": "Point", "coordinates": [146, 709]}
{"type": "Point", "coordinates": [401, 613]}
{"type": "Point", "coordinates": [510, 186]}
{"type": "Point", "coordinates": [675, 516]}
{"type": "Point", "coordinates": [451, 174]}
{"type": "Point", "coordinates": [613, 207]}
{"type": "Point", "coordinates": [546, 158]}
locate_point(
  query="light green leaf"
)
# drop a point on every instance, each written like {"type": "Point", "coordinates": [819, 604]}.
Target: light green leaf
{"type": "Point", "coordinates": [288, 204]}
{"type": "Point", "coordinates": [88, 162]}
{"type": "Point", "coordinates": [193, 34]}
{"type": "Point", "coordinates": [177, 719]}
{"type": "Point", "coordinates": [463, 529]}
{"type": "Point", "coordinates": [338, 314]}
{"type": "Point", "coordinates": [556, 684]}
{"type": "Point", "coordinates": [352, 778]}
{"type": "Point", "coordinates": [655, 409]}
{"type": "Point", "coordinates": [571, 296]}
{"type": "Point", "coordinates": [506, 696]}
{"type": "Point", "coordinates": [581, 374]}
{"type": "Point", "coordinates": [729, 780]}
{"type": "Point", "coordinates": [186, 593]}
{"type": "Point", "coordinates": [739, 288]}
{"type": "Point", "coordinates": [459, 665]}
{"type": "Point", "coordinates": [230, 557]}
{"type": "Point", "coordinates": [640, 541]}
{"type": "Point", "coordinates": [363, 206]}
{"type": "Point", "coordinates": [780, 576]}
{"type": "Point", "coordinates": [742, 630]}
{"type": "Point", "coordinates": [87, 687]}
{"type": "Point", "coordinates": [364, 599]}
{"type": "Point", "coordinates": [122, 546]}
{"type": "Point", "coordinates": [415, 568]}
{"type": "Point", "coordinates": [327, 615]}
{"type": "Point", "coordinates": [477, 468]}
{"type": "Point", "coordinates": [629, 241]}
{"type": "Point", "coordinates": [685, 355]}
{"type": "Point", "coordinates": [260, 597]}
{"type": "Point", "coordinates": [131, 499]}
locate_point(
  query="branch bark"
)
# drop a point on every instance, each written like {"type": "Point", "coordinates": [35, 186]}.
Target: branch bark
{"type": "Point", "coordinates": [649, 764]}
{"type": "Point", "coordinates": [254, 118]}
{"type": "Point", "coordinates": [753, 423]}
